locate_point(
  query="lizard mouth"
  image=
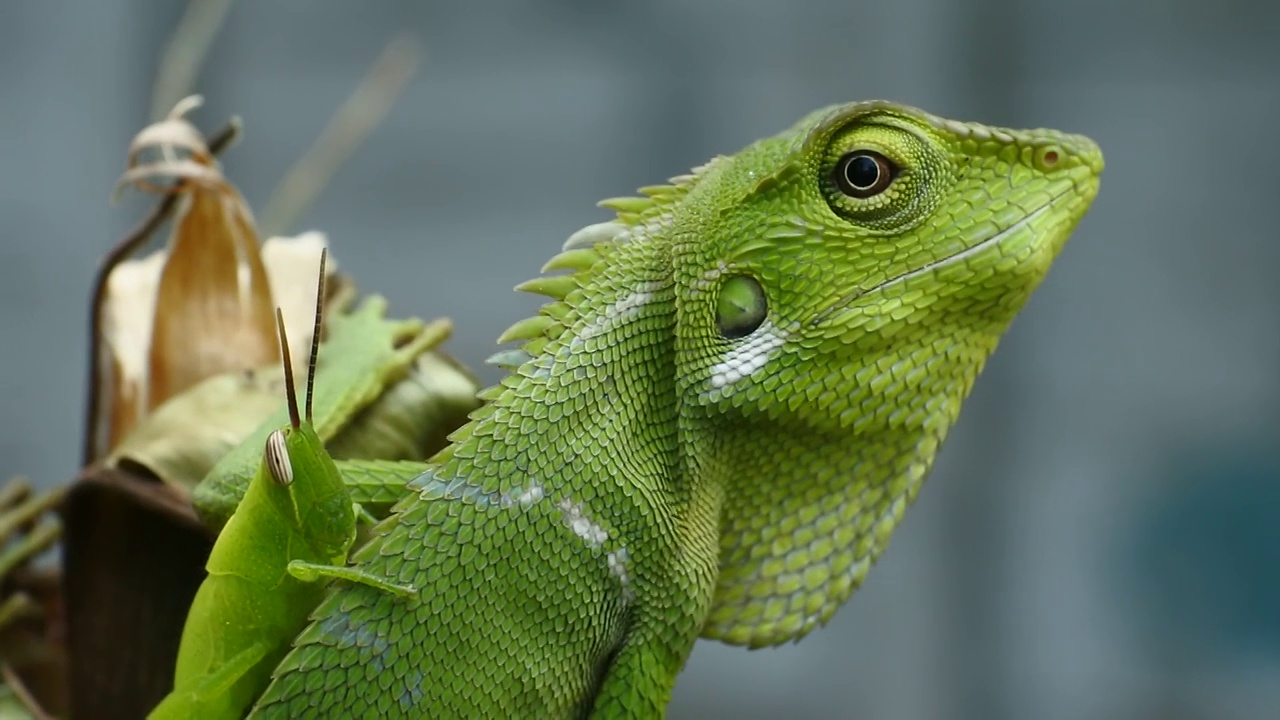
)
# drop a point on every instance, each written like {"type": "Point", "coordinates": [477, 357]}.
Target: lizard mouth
{"type": "Point", "coordinates": [994, 240]}
{"type": "Point", "coordinates": [956, 257]}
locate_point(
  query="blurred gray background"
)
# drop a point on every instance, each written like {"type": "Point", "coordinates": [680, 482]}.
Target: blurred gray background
{"type": "Point", "coordinates": [1101, 537]}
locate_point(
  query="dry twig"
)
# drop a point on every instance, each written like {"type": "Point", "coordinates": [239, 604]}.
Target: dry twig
{"type": "Point", "coordinates": [348, 128]}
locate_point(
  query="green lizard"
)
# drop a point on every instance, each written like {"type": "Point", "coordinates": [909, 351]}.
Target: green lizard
{"type": "Point", "coordinates": [713, 428]}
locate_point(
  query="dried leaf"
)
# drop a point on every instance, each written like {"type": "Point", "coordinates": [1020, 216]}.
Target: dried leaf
{"type": "Point", "coordinates": [205, 305]}
{"type": "Point", "coordinates": [127, 313]}
{"type": "Point", "coordinates": [179, 441]}
{"type": "Point", "coordinates": [104, 386]}
{"type": "Point", "coordinates": [214, 310]}
{"type": "Point", "coordinates": [185, 436]}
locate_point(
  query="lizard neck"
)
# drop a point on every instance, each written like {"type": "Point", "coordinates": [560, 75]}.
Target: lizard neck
{"type": "Point", "coordinates": [596, 393]}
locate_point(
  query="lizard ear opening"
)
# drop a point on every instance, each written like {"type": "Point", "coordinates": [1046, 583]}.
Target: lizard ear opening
{"type": "Point", "coordinates": [741, 307]}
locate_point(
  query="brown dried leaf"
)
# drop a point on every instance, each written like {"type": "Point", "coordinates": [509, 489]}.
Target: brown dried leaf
{"type": "Point", "coordinates": [202, 308]}
{"type": "Point", "coordinates": [113, 395]}
{"type": "Point", "coordinates": [168, 438]}
{"type": "Point", "coordinates": [180, 439]}
{"type": "Point", "coordinates": [191, 171]}
{"type": "Point", "coordinates": [214, 309]}
{"type": "Point", "coordinates": [127, 313]}
{"type": "Point", "coordinates": [174, 132]}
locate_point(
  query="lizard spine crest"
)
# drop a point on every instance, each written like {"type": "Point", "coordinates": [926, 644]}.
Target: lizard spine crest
{"type": "Point", "coordinates": [579, 256]}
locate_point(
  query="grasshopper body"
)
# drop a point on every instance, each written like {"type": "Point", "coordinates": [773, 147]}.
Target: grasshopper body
{"type": "Point", "coordinates": [293, 527]}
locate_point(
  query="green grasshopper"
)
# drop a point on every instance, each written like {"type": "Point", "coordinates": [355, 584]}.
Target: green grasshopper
{"type": "Point", "coordinates": [376, 380]}
{"type": "Point", "coordinates": [293, 528]}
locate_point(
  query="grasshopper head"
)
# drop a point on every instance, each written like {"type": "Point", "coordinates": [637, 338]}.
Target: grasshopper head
{"type": "Point", "coordinates": [312, 496]}
{"type": "Point", "coordinates": [315, 499]}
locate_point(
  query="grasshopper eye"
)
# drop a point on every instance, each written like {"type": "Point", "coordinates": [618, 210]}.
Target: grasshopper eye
{"type": "Point", "coordinates": [741, 307]}
{"type": "Point", "coordinates": [276, 458]}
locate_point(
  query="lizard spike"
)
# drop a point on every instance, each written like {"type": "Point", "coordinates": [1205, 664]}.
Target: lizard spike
{"type": "Point", "coordinates": [491, 393]}
{"type": "Point", "coordinates": [556, 287]}
{"type": "Point", "coordinates": [623, 205]}
{"type": "Point", "coordinates": [480, 414]}
{"type": "Point", "coordinates": [559, 311]}
{"type": "Point", "coordinates": [575, 260]}
{"type": "Point", "coordinates": [592, 235]}
{"type": "Point", "coordinates": [658, 191]}
{"type": "Point", "coordinates": [527, 329]}
{"type": "Point", "coordinates": [509, 359]}
{"type": "Point", "coordinates": [704, 167]}
{"type": "Point", "coordinates": [536, 345]}
{"type": "Point", "coordinates": [460, 434]}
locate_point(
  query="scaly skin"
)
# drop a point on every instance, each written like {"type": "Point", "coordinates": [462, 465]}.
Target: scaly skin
{"type": "Point", "coordinates": [713, 430]}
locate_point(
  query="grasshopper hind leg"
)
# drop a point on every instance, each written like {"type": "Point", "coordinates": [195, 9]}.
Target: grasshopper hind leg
{"type": "Point", "coordinates": [312, 572]}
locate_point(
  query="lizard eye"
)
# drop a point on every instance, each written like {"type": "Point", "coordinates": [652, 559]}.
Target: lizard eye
{"type": "Point", "coordinates": [276, 458]}
{"type": "Point", "coordinates": [864, 173]}
{"type": "Point", "coordinates": [741, 307]}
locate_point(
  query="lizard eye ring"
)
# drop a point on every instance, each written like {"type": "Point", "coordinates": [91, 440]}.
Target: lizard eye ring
{"type": "Point", "coordinates": [864, 173]}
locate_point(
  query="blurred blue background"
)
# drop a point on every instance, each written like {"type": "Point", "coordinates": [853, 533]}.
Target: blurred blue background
{"type": "Point", "coordinates": [1101, 537]}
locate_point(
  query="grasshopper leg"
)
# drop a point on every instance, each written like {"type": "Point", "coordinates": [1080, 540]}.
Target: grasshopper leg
{"type": "Point", "coordinates": [311, 572]}
{"type": "Point", "coordinates": [364, 515]}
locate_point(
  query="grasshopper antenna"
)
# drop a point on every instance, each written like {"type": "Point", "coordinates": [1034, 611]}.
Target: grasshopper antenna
{"type": "Point", "coordinates": [289, 392]}
{"type": "Point", "coordinates": [315, 334]}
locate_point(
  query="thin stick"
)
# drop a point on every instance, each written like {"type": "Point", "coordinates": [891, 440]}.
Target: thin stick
{"type": "Point", "coordinates": [17, 607]}
{"type": "Point", "coordinates": [185, 53]}
{"type": "Point", "coordinates": [31, 545]}
{"type": "Point", "coordinates": [118, 254]}
{"type": "Point", "coordinates": [24, 695]}
{"type": "Point", "coordinates": [27, 512]}
{"type": "Point", "coordinates": [348, 128]}
{"type": "Point", "coordinates": [15, 491]}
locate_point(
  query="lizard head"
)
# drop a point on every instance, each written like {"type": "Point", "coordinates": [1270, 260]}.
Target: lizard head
{"type": "Point", "coordinates": [838, 289]}
{"type": "Point", "coordinates": [854, 256]}
{"type": "Point", "coordinates": [801, 321]}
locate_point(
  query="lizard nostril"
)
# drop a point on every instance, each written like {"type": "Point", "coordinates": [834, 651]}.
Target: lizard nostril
{"type": "Point", "coordinates": [1047, 157]}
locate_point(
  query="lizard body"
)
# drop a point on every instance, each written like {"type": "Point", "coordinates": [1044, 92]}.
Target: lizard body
{"type": "Point", "coordinates": [713, 428]}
